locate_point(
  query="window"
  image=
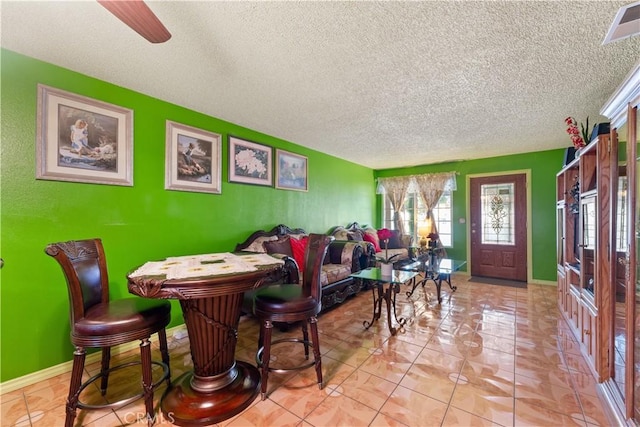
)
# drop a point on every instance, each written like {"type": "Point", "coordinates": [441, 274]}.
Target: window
{"type": "Point", "coordinates": [498, 214]}
{"type": "Point", "coordinates": [414, 212]}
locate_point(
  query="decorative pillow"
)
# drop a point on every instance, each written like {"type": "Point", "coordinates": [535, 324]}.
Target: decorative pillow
{"type": "Point", "coordinates": [356, 236]}
{"type": "Point", "coordinates": [341, 234]}
{"type": "Point", "coordinates": [394, 241]}
{"type": "Point", "coordinates": [299, 247]}
{"type": "Point", "coordinates": [258, 244]}
{"type": "Point", "coordinates": [280, 246]}
{"type": "Point", "coordinates": [369, 237]}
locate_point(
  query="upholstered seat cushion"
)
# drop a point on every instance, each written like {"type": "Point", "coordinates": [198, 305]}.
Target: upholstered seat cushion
{"type": "Point", "coordinates": [276, 299]}
{"type": "Point", "coordinates": [123, 315]}
{"type": "Point", "coordinates": [401, 252]}
{"type": "Point", "coordinates": [331, 273]}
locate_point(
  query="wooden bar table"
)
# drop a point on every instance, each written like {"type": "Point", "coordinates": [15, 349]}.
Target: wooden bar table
{"type": "Point", "coordinates": [210, 289]}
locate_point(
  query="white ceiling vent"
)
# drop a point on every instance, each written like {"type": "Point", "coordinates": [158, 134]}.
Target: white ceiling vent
{"type": "Point", "coordinates": [626, 24]}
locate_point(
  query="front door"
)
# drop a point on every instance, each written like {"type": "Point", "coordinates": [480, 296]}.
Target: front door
{"type": "Point", "coordinates": [498, 215]}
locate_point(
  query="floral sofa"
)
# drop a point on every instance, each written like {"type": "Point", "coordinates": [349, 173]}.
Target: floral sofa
{"type": "Point", "coordinates": [343, 258]}
{"type": "Point", "coordinates": [398, 247]}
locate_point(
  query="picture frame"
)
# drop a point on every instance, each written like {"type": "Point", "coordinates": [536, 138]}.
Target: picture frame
{"type": "Point", "coordinates": [291, 171]}
{"type": "Point", "coordinates": [193, 159]}
{"type": "Point", "coordinates": [250, 162]}
{"type": "Point", "coordinates": [81, 139]}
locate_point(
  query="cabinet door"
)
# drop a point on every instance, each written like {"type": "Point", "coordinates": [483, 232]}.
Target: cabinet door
{"type": "Point", "coordinates": [633, 292]}
{"type": "Point", "coordinates": [562, 289]}
{"type": "Point", "coordinates": [588, 333]}
{"type": "Point", "coordinates": [560, 233]}
{"type": "Point", "coordinates": [574, 311]}
{"type": "Point", "coordinates": [589, 244]}
{"type": "Point", "coordinates": [620, 274]}
{"type": "Point", "coordinates": [625, 289]}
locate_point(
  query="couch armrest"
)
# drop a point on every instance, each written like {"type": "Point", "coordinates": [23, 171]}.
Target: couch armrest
{"type": "Point", "coordinates": [291, 272]}
{"type": "Point", "coordinates": [346, 252]}
{"type": "Point", "coordinates": [368, 258]}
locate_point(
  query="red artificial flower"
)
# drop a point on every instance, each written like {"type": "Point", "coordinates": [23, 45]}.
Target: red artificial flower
{"type": "Point", "coordinates": [385, 234]}
{"type": "Point", "coordinates": [579, 138]}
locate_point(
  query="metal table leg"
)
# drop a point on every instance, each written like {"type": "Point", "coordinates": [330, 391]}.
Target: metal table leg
{"type": "Point", "coordinates": [377, 304]}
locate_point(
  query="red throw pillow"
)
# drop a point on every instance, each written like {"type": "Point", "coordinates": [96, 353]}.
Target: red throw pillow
{"type": "Point", "coordinates": [368, 237]}
{"type": "Point", "coordinates": [299, 247]}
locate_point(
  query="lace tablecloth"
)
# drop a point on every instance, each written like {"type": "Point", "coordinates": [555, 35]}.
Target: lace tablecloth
{"type": "Point", "coordinates": [216, 264]}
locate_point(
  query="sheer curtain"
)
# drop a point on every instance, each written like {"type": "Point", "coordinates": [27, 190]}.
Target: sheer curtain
{"type": "Point", "coordinates": [431, 187]}
{"type": "Point", "coordinates": [396, 190]}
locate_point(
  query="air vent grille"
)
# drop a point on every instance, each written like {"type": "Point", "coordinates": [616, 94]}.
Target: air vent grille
{"type": "Point", "coordinates": [626, 23]}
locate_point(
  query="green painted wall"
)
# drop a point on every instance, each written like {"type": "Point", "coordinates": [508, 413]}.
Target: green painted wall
{"type": "Point", "coordinates": [146, 222]}
{"type": "Point", "coordinates": [543, 166]}
{"type": "Point", "coordinates": [136, 223]}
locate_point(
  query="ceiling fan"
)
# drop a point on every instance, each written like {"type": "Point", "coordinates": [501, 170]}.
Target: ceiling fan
{"type": "Point", "coordinates": [137, 15]}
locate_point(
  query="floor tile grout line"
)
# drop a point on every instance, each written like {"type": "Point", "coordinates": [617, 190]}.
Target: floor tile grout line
{"type": "Point", "coordinates": [518, 301]}
{"type": "Point", "coordinates": [572, 380]}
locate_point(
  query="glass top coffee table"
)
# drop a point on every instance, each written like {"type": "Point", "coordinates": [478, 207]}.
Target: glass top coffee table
{"type": "Point", "coordinates": [433, 269]}
{"type": "Point", "coordinates": [385, 288]}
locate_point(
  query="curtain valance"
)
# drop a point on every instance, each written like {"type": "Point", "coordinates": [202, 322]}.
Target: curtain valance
{"type": "Point", "coordinates": [441, 181]}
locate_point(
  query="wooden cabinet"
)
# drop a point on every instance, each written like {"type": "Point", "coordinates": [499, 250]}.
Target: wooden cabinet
{"type": "Point", "coordinates": [621, 381]}
{"type": "Point", "coordinates": [598, 214]}
{"type": "Point", "coordinates": [584, 194]}
{"type": "Point", "coordinates": [598, 232]}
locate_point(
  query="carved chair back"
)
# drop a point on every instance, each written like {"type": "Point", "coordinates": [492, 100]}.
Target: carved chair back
{"type": "Point", "coordinates": [313, 260]}
{"type": "Point", "coordinates": [85, 269]}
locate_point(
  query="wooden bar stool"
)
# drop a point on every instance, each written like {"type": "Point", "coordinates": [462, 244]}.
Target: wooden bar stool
{"type": "Point", "coordinates": [293, 303]}
{"type": "Point", "coordinates": [100, 323]}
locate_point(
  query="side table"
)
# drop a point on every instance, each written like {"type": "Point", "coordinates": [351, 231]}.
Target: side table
{"type": "Point", "coordinates": [434, 269]}
{"type": "Point", "coordinates": [388, 293]}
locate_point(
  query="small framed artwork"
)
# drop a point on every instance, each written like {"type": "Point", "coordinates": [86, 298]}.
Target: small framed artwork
{"type": "Point", "coordinates": [83, 140]}
{"type": "Point", "coordinates": [249, 162]}
{"type": "Point", "coordinates": [193, 159]}
{"type": "Point", "coordinates": [291, 171]}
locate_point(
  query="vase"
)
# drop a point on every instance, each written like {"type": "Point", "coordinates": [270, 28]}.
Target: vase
{"type": "Point", "coordinates": [578, 152]}
{"type": "Point", "coordinates": [386, 269]}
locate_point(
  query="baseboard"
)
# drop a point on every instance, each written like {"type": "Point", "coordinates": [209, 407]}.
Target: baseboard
{"type": "Point", "coordinates": [53, 371]}
{"type": "Point", "coordinates": [532, 281]}
{"type": "Point", "coordinates": [543, 282]}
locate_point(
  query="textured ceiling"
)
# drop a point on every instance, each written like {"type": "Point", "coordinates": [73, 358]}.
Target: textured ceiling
{"type": "Point", "coordinates": [381, 84]}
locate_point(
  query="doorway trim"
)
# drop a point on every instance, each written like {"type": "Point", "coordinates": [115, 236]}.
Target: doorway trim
{"type": "Point", "coordinates": [527, 173]}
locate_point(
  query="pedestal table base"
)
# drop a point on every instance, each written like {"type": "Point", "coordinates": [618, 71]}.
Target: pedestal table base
{"type": "Point", "coordinates": [184, 406]}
